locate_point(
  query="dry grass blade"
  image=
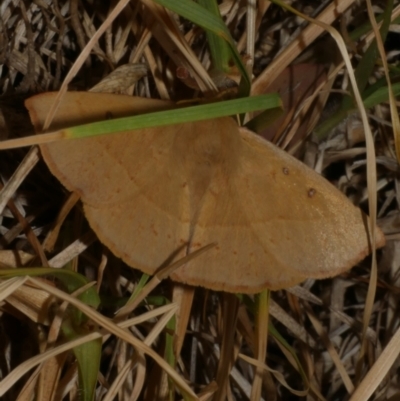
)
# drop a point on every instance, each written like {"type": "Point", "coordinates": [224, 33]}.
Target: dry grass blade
{"type": "Point", "coordinates": [15, 181]}
{"type": "Point", "coordinates": [334, 355]}
{"type": "Point", "coordinates": [309, 34]}
{"type": "Point", "coordinates": [379, 370]}
{"type": "Point", "coordinates": [138, 361]}
{"type": "Point", "coordinates": [11, 285]}
{"type": "Point", "coordinates": [51, 238]}
{"type": "Point", "coordinates": [32, 302]}
{"type": "Point", "coordinates": [82, 57]}
{"type": "Point", "coordinates": [172, 40]}
{"type": "Point", "coordinates": [278, 375]}
{"type": "Point", "coordinates": [261, 339]}
{"type": "Point", "coordinates": [107, 324]}
{"type": "Point", "coordinates": [158, 277]}
{"type": "Point", "coordinates": [392, 99]}
{"type": "Point", "coordinates": [72, 251]}
{"type": "Point", "coordinates": [118, 331]}
{"type": "Point", "coordinates": [121, 78]}
{"type": "Point", "coordinates": [371, 174]}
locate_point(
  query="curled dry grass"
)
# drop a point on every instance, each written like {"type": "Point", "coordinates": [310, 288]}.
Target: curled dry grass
{"type": "Point", "coordinates": [317, 333]}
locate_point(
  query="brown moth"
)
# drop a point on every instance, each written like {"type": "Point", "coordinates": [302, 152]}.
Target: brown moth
{"type": "Point", "coordinates": [158, 194]}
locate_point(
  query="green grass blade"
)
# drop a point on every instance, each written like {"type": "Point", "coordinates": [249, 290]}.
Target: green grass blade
{"type": "Point", "coordinates": [202, 17]}
{"type": "Point", "coordinates": [367, 63]}
{"type": "Point", "coordinates": [140, 285]}
{"type": "Point", "coordinates": [88, 356]}
{"type": "Point", "coordinates": [380, 95]}
{"type": "Point", "coordinates": [72, 281]}
{"type": "Point", "coordinates": [278, 337]}
{"type": "Point", "coordinates": [374, 95]}
{"type": "Point", "coordinates": [219, 49]}
{"type": "Point", "coordinates": [362, 72]}
{"type": "Point", "coordinates": [365, 28]}
{"type": "Point", "coordinates": [177, 116]}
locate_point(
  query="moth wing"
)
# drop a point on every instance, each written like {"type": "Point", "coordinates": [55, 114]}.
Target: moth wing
{"type": "Point", "coordinates": [129, 183]}
{"type": "Point", "coordinates": [275, 222]}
